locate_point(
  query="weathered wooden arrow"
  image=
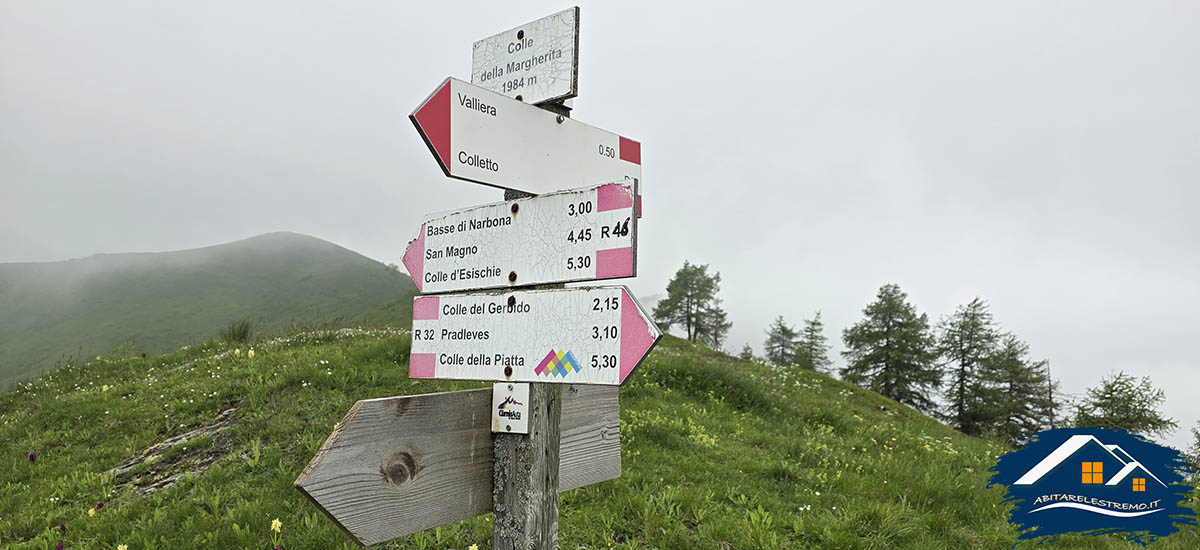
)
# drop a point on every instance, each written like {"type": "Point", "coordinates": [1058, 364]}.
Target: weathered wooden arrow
{"type": "Point", "coordinates": [481, 136]}
{"type": "Point", "coordinates": [398, 465]}
{"type": "Point", "coordinates": [590, 335]}
{"type": "Point", "coordinates": [579, 235]}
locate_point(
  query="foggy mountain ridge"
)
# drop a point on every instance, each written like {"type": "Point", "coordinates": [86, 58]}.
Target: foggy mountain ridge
{"type": "Point", "coordinates": [157, 301]}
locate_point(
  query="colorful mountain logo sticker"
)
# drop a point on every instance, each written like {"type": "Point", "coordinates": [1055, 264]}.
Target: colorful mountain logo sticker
{"type": "Point", "coordinates": [508, 402]}
{"type": "Point", "coordinates": [557, 363]}
{"type": "Point", "coordinates": [1094, 481]}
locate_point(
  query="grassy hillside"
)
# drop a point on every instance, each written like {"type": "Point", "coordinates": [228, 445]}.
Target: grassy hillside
{"type": "Point", "coordinates": [199, 448]}
{"type": "Point", "coordinates": [157, 302]}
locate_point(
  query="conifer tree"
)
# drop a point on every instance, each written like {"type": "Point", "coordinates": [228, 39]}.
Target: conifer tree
{"type": "Point", "coordinates": [714, 325]}
{"type": "Point", "coordinates": [812, 350]}
{"type": "Point", "coordinates": [780, 345]}
{"type": "Point", "coordinates": [692, 304]}
{"type": "Point", "coordinates": [1012, 390]}
{"type": "Point", "coordinates": [965, 340]}
{"type": "Point", "coordinates": [747, 353]}
{"type": "Point", "coordinates": [1124, 402]}
{"type": "Point", "coordinates": [1193, 456]}
{"type": "Point", "coordinates": [892, 352]}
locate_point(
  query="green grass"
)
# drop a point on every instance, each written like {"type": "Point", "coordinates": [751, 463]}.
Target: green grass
{"type": "Point", "coordinates": [237, 332]}
{"type": "Point", "coordinates": [717, 453]}
{"type": "Point", "coordinates": [157, 302]}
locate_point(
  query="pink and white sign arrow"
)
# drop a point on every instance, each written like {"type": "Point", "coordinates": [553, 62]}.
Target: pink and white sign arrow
{"type": "Point", "coordinates": [481, 136]}
{"type": "Point", "coordinates": [579, 235]}
{"type": "Point", "coordinates": [595, 335]}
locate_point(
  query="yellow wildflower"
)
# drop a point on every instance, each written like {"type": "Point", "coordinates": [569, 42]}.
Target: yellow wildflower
{"type": "Point", "coordinates": [276, 525]}
{"type": "Point", "coordinates": [237, 352]}
{"type": "Point", "coordinates": [92, 512]}
{"type": "Point", "coordinates": [250, 353]}
{"type": "Point", "coordinates": [122, 547]}
{"type": "Point", "coordinates": [104, 387]}
{"type": "Point", "coordinates": [473, 547]}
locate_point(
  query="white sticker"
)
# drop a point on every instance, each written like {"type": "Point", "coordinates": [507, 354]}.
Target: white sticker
{"type": "Point", "coordinates": [510, 408]}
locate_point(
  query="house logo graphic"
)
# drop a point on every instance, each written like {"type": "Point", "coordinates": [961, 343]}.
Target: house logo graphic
{"type": "Point", "coordinates": [1090, 480]}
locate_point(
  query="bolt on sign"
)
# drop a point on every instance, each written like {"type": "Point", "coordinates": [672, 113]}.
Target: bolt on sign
{"type": "Point", "coordinates": [537, 62]}
{"type": "Point", "coordinates": [481, 136]}
{"type": "Point", "coordinates": [590, 335]}
{"type": "Point", "coordinates": [580, 235]}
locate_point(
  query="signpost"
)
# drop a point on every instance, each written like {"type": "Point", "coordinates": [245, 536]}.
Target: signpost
{"type": "Point", "coordinates": [580, 235]}
{"type": "Point", "coordinates": [479, 135]}
{"type": "Point", "coordinates": [535, 63]}
{"type": "Point", "coordinates": [399, 465]}
{"type": "Point", "coordinates": [592, 335]}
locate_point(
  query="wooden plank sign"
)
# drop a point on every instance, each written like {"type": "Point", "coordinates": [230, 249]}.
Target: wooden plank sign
{"type": "Point", "coordinates": [399, 465]}
{"type": "Point", "coordinates": [479, 135]}
{"type": "Point", "coordinates": [535, 63]}
{"type": "Point", "coordinates": [580, 235]}
{"type": "Point", "coordinates": [593, 335]}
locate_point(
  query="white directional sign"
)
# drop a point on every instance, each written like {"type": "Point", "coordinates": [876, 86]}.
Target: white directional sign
{"type": "Point", "coordinates": [595, 335]}
{"type": "Point", "coordinates": [579, 235]}
{"type": "Point", "coordinates": [534, 63]}
{"type": "Point", "coordinates": [481, 136]}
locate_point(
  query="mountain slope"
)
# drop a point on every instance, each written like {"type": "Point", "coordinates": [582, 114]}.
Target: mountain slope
{"type": "Point", "coordinates": [716, 453]}
{"type": "Point", "coordinates": [158, 301]}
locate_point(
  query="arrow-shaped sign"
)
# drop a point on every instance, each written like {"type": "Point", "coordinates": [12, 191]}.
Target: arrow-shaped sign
{"type": "Point", "coordinates": [592, 335]}
{"type": "Point", "coordinates": [481, 136]}
{"type": "Point", "coordinates": [579, 235]}
{"type": "Point", "coordinates": [398, 465]}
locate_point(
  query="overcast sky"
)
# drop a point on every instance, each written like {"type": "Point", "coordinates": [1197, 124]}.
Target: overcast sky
{"type": "Point", "coordinates": [1042, 155]}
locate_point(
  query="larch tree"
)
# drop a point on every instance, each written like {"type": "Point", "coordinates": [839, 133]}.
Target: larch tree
{"type": "Point", "coordinates": [780, 345]}
{"type": "Point", "coordinates": [1013, 400]}
{"type": "Point", "coordinates": [1122, 401]}
{"type": "Point", "coordinates": [892, 352]}
{"type": "Point", "coordinates": [692, 304]}
{"type": "Point", "coordinates": [965, 340]}
{"type": "Point", "coordinates": [812, 350]}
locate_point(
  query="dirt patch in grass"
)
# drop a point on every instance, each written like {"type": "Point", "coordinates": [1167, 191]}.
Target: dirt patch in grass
{"type": "Point", "coordinates": [166, 462]}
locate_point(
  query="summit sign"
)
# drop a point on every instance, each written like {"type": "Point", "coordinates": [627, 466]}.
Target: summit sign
{"type": "Point", "coordinates": [537, 62]}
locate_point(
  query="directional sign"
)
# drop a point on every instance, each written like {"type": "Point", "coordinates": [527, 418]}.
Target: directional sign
{"type": "Point", "coordinates": [534, 63]}
{"type": "Point", "coordinates": [580, 235]}
{"type": "Point", "coordinates": [481, 136]}
{"type": "Point", "coordinates": [593, 335]}
{"type": "Point", "coordinates": [398, 465]}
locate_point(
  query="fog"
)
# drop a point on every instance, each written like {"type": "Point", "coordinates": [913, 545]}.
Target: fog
{"type": "Point", "coordinates": [1043, 156]}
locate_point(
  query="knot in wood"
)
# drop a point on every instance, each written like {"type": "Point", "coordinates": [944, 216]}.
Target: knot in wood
{"type": "Point", "coordinates": [399, 468]}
